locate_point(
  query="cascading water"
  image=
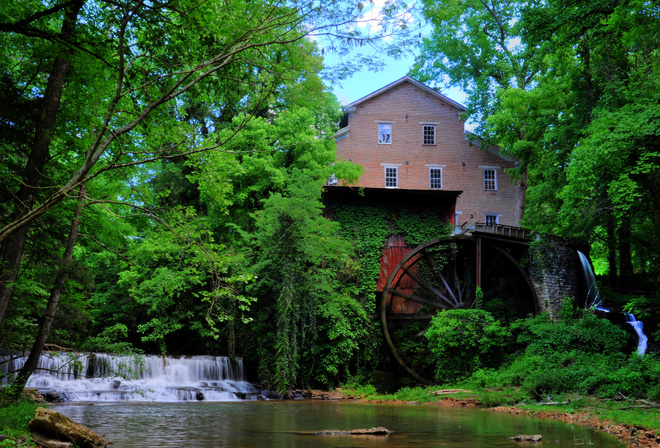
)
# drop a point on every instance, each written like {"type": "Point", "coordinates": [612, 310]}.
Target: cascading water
{"type": "Point", "coordinates": [638, 325]}
{"type": "Point", "coordinates": [105, 377]}
{"type": "Point", "coordinates": [594, 300]}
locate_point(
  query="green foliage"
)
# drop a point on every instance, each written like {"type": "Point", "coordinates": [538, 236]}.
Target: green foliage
{"type": "Point", "coordinates": [578, 354]}
{"type": "Point", "coordinates": [368, 227]}
{"type": "Point", "coordinates": [14, 419]}
{"type": "Point", "coordinates": [297, 257]}
{"type": "Point", "coordinates": [110, 341]}
{"type": "Point", "coordinates": [639, 306]}
{"type": "Point", "coordinates": [462, 341]}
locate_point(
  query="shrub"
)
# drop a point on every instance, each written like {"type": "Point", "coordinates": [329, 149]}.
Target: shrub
{"type": "Point", "coordinates": [462, 341]}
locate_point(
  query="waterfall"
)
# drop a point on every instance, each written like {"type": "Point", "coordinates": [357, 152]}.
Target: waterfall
{"type": "Point", "coordinates": [107, 377]}
{"type": "Point", "coordinates": [593, 299]}
{"type": "Point", "coordinates": [638, 325]}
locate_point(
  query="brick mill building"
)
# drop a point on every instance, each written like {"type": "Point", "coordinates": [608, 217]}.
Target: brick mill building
{"type": "Point", "coordinates": [410, 138]}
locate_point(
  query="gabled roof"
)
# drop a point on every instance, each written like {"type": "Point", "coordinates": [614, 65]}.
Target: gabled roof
{"type": "Point", "coordinates": [417, 84]}
{"type": "Point", "coordinates": [491, 149]}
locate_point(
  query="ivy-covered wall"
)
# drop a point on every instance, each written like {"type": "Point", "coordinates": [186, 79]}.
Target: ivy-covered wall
{"type": "Point", "coordinates": [368, 227]}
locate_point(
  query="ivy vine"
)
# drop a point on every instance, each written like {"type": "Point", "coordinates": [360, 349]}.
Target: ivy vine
{"type": "Point", "coordinates": [368, 227]}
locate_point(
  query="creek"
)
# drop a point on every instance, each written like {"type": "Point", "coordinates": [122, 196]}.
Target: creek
{"type": "Point", "coordinates": [290, 424]}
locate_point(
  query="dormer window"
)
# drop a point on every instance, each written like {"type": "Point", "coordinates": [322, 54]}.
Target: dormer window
{"type": "Point", "coordinates": [385, 133]}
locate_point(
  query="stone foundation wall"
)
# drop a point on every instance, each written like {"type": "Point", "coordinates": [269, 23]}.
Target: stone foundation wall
{"type": "Point", "coordinates": [555, 272]}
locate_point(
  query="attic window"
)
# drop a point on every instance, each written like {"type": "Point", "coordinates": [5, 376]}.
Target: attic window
{"type": "Point", "coordinates": [428, 134]}
{"type": "Point", "coordinates": [385, 133]}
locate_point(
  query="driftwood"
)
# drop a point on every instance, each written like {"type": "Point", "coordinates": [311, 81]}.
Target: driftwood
{"type": "Point", "coordinates": [450, 391]}
{"type": "Point", "coordinates": [524, 438]}
{"type": "Point", "coordinates": [646, 405]}
{"type": "Point", "coordinates": [379, 431]}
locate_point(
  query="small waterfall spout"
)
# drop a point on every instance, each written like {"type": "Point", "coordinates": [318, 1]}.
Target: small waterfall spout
{"type": "Point", "coordinates": [593, 299]}
{"type": "Point", "coordinates": [106, 377]}
{"type": "Point", "coordinates": [638, 325]}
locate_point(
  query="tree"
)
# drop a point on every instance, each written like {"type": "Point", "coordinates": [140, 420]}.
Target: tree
{"type": "Point", "coordinates": [567, 89]}
{"type": "Point", "coordinates": [477, 45]}
{"type": "Point", "coordinates": [32, 360]}
{"type": "Point", "coordinates": [130, 72]}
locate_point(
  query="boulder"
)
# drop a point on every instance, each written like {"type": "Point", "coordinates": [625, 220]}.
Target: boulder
{"type": "Point", "coordinates": [53, 424]}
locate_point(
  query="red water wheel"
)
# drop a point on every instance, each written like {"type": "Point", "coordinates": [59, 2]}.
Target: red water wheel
{"type": "Point", "coordinates": [440, 275]}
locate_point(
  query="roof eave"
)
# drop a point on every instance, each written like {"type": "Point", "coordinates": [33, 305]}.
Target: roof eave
{"type": "Point", "coordinates": [417, 84]}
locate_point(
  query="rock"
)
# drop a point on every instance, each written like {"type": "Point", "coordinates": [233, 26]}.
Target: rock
{"type": "Point", "coordinates": [56, 425]}
{"type": "Point", "coordinates": [53, 396]}
{"type": "Point", "coordinates": [33, 394]}
{"type": "Point", "coordinates": [379, 431]}
{"type": "Point", "coordinates": [522, 438]}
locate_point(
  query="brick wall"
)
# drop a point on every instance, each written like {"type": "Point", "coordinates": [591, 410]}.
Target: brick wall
{"type": "Point", "coordinates": [407, 108]}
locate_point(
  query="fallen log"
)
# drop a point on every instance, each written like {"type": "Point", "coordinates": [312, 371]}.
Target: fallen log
{"type": "Point", "coordinates": [58, 426]}
{"type": "Point", "coordinates": [379, 431]}
{"type": "Point", "coordinates": [525, 438]}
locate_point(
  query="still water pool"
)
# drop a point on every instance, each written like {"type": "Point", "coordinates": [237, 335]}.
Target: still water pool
{"type": "Point", "coordinates": [283, 424]}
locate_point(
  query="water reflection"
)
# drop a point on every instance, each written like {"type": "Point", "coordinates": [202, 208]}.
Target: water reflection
{"type": "Point", "coordinates": [280, 424]}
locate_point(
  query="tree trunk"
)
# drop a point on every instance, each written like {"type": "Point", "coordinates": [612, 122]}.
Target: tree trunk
{"type": "Point", "coordinates": [625, 253]}
{"type": "Point", "coordinates": [521, 193]}
{"type": "Point", "coordinates": [60, 280]}
{"type": "Point", "coordinates": [611, 252]}
{"type": "Point", "coordinates": [12, 249]}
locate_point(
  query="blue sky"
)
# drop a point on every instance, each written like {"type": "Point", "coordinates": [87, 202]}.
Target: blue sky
{"type": "Point", "coordinates": [365, 82]}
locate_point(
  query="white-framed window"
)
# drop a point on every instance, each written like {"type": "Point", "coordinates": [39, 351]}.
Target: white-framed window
{"type": "Point", "coordinates": [391, 176]}
{"type": "Point", "coordinates": [428, 134]}
{"type": "Point", "coordinates": [492, 220]}
{"type": "Point", "coordinates": [385, 133]}
{"type": "Point", "coordinates": [435, 178]}
{"type": "Point", "coordinates": [490, 179]}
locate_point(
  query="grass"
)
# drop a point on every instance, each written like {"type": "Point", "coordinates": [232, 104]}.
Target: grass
{"type": "Point", "coordinates": [14, 420]}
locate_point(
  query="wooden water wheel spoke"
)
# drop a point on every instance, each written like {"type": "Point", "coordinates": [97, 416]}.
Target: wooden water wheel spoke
{"type": "Point", "coordinates": [414, 298]}
{"type": "Point", "coordinates": [442, 274]}
{"type": "Point", "coordinates": [423, 282]}
{"type": "Point", "coordinates": [449, 290]}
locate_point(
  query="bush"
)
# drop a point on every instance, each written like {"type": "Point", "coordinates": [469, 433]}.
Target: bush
{"type": "Point", "coordinates": [579, 354]}
{"type": "Point", "coordinates": [462, 341]}
{"type": "Point", "coordinates": [588, 334]}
